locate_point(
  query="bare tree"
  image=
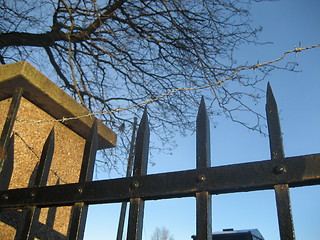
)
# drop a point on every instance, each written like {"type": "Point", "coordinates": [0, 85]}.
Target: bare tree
{"type": "Point", "coordinates": [161, 234]}
{"type": "Point", "coordinates": [117, 55]}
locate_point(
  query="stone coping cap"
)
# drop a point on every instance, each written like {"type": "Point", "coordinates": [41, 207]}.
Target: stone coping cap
{"type": "Point", "coordinates": [45, 94]}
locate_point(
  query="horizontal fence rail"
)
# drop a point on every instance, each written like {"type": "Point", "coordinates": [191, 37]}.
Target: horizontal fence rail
{"type": "Point", "coordinates": [279, 173]}
{"type": "Point", "coordinates": [299, 171]}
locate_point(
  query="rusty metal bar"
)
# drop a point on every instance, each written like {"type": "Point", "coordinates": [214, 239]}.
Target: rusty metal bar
{"type": "Point", "coordinates": [259, 175]}
{"type": "Point", "coordinates": [8, 125]}
{"type": "Point", "coordinates": [282, 191]}
{"type": "Point", "coordinates": [80, 209]}
{"type": "Point", "coordinates": [135, 222]}
{"type": "Point", "coordinates": [128, 174]}
{"type": "Point", "coordinates": [203, 199]}
{"type": "Point", "coordinates": [136, 212]}
{"type": "Point", "coordinates": [40, 180]}
{"type": "Point", "coordinates": [204, 215]}
{"type": "Point", "coordinates": [78, 221]}
{"type": "Point", "coordinates": [6, 174]}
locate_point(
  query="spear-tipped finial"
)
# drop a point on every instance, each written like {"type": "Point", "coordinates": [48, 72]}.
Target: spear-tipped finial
{"type": "Point", "coordinates": [271, 102]}
{"type": "Point", "coordinates": [274, 128]}
{"type": "Point", "coordinates": [142, 146]}
{"type": "Point", "coordinates": [202, 110]}
{"type": "Point", "coordinates": [203, 137]}
{"type": "Point", "coordinates": [144, 115]}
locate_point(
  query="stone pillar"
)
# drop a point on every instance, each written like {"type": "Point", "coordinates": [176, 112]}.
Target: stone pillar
{"type": "Point", "coordinates": [43, 105]}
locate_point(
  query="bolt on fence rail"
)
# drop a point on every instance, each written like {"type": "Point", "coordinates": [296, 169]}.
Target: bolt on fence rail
{"type": "Point", "coordinates": [278, 173]}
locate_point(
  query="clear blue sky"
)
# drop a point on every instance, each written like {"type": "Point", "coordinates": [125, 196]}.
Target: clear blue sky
{"type": "Point", "coordinates": [286, 24]}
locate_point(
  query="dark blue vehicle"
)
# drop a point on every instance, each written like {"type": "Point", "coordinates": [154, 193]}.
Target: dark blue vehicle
{"type": "Point", "coordinates": [230, 234]}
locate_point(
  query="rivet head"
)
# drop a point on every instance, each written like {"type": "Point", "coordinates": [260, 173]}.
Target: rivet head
{"type": "Point", "coordinates": [80, 190]}
{"type": "Point", "coordinates": [201, 178]}
{"type": "Point", "coordinates": [5, 197]}
{"type": "Point", "coordinates": [32, 194]}
{"type": "Point", "coordinates": [134, 184]}
{"type": "Point", "coordinates": [279, 169]}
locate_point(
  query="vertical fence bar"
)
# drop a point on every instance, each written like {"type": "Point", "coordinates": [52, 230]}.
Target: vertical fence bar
{"type": "Point", "coordinates": [8, 125]}
{"type": "Point", "coordinates": [79, 210]}
{"type": "Point", "coordinates": [136, 212]}
{"type": "Point", "coordinates": [128, 174]}
{"type": "Point", "coordinates": [203, 199]}
{"type": "Point", "coordinates": [40, 180]}
{"type": "Point", "coordinates": [277, 152]}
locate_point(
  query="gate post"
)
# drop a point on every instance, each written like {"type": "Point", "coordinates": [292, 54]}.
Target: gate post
{"type": "Point", "coordinates": [43, 105]}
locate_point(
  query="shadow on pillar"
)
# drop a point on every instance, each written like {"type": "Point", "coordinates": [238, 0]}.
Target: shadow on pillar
{"type": "Point", "coordinates": [16, 218]}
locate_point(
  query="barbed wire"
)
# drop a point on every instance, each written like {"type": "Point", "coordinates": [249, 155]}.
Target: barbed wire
{"type": "Point", "coordinates": [235, 70]}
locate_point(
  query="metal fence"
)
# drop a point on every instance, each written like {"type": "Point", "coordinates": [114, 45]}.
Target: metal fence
{"type": "Point", "coordinates": [278, 173]}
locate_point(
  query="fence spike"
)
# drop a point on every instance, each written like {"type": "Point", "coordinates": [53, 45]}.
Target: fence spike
{"type": "Point", "coordinates": [274, 129]}
{"type": "Point", "coordinates": [6, 174]}
{"type": "Point", "coordinates": [40, 180]}
{"type": "Point", "coordinates": [45, 161]}
{"type": "Point", "coordinates": [8, 125]}
{"type": "Point", "coordinates": [80, 209]}
{"type": "Point", "coordinates": [203, 137]}
{"type": "Point", "coordinates": [136, 212]}
{"type": "Point", "coordinates": [282, 191]}
{"type": "Point", "coordinates": [142, 146]}
{"type": "Point", "coordinates": [89, 154]}
{"type": "Point", "coordinates": [203, 199]}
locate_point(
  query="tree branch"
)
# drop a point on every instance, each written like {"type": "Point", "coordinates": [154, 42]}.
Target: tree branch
{"type": "Point", "coordinates": [31, 39]}
{"type": "Point", "coordinates": [95, 25]}
{"type": "Point", "coordinates": [49, 38]}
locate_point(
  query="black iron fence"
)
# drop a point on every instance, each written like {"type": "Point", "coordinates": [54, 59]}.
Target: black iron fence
{"type": "Point", "coordinates": [278, 173]}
